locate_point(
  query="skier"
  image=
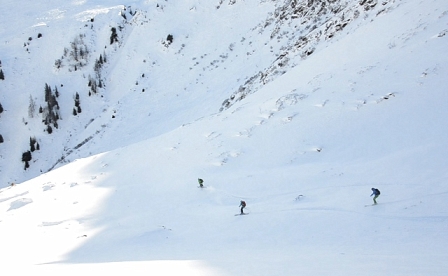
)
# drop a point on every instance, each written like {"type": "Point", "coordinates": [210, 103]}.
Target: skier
{"type": "Point", "coordinates": [375, 192]}
{"type": "Point", "coordinates": [242, 205]}
{"type": "Point", "coordinates": [200, 183]}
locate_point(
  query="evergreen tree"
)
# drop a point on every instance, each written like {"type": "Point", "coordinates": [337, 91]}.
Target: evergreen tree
{"type": "Point", "coordinates": [50, 113]}
{"type": "Point", "coordinates": [47, 92]}
{"type": "Point", "coordinates": [1, 108]}
{"type": "Point", "coordinates": [77, 102]}
{"type": "Point", "coordinates": [93, 86]}
{"type": "Point", "coordinates": [82, 53]}
{"type": "Point", "coordinates": [170, 38]}
{"type": "Point", "coordinates": [75, 51]}
{"type": "Point", "coordinates": [1, 139]}
{"type": "Point", "coordinates": [31, 108]}
{"type": "Point", "coordinates": [26, 157]}
{"type": "Point", "coordinates": [2, 76]}
{"type": "Point", "coordinates": [32, 144]}
{"type": "Point", "coordinates": [77, 108]}
{"type": "Point", "coordinates": [32, 147]}
{"type": "Point", "coordinates": [97, 68]}
{"type": "Point", "coordinates": [113, 36]}
{"type": "Point", "coordinates": [58, 63]}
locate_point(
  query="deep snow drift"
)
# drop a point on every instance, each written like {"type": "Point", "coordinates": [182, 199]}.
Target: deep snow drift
{"type": "Point", "coordinates": [366, 109]}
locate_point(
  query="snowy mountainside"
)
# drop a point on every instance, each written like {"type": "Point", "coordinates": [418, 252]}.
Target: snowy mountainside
{"type": "Point", "coordinates": [218, 52]}
{"type": "Point", "coordinates": [365, 109]}
{"type": "Point", "coordinates": [300, 27]}
{"type": "Point", "coordinates": [136, 71]}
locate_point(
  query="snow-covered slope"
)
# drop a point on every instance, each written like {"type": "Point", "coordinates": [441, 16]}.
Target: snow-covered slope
{"type": "Point", "coordinates": [181, 61]}
{"type": "Point", "coordinates": [365, 109]}
{"type": "Point", "coordinates": [171, 84]}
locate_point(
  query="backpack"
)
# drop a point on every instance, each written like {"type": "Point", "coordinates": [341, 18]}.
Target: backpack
{"type": "Point", "coordinates": [243, 203]}
{"type": "Point", "coordinates": [377, 192]}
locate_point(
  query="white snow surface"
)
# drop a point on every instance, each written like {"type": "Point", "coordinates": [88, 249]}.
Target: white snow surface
{"type": "Point", "coordinates": [366, 109]}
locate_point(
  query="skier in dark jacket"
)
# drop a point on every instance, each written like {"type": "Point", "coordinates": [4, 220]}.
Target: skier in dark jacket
{"type": "Point", "coordinates": [201, 182]}
{"type": "Point", "coordinates": [242, 205]}
{"type": "Point", "coordinates": [376, 194]}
